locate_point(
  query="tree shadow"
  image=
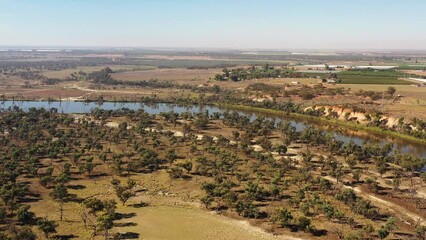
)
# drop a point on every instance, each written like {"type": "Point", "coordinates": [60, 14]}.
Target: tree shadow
{"type": "Point", "coordinates": [186, 177]}
{"type": "Point", "coordinates": [139, 205]}
{"type": "Point", "coordinates": [128, 235]}
{"type": "Point", "coordinates": [126, 224]}
{"type": "Point", "coordinates": [76, 186]}
{"type": "Point", "coordinates": [98, 175]}
{"type": "Point", "coordinates": [403, 235]}
{"type": "Point", "coordinates": [141, 190]}
{"type": "Point", "coordinates": [64, 237]}
{"type": "Point", "coordinates": [30, 197]}
{"type": "Point", "coordinates": [74, 198]}
{"type": "Point", "coordinates": [319, 232]}
{"type": "Point", "coordinates": [119, 216]}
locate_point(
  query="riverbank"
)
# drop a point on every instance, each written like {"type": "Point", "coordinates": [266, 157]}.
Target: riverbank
{"type": "Point", "coordinates": [346, 124]}
{"type": "Point", "coordinates": [379, 132]}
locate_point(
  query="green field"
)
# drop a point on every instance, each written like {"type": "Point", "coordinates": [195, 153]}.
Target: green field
{"type": "Point", "coordinates": [412, 67]}
{"type": "Point", "coordinates": [372, 77]}
{"type": "Point", "coordinates": [367, 77]}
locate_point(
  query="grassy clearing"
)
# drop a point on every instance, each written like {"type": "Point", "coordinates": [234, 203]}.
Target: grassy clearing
{"type": "Point", "coordinates": [117, 68]}
{"type": "Point", "coordinates": [181, 75]}
{"type": "Point", "coordinates": [186, 223]}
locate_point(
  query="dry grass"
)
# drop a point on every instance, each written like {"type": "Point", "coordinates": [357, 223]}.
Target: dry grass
{"type": "Point", "coordinates": [189, 224]}
{"type": "Point", "coordinates": [66, 72]}
{"type": "Point", "coordinates": [180, 75]}
{"type": "Point", "coordinates": [416, 72]}
{"type": "Point", "coordinates": [412, 103]}
{"type": "Point", "coordinates": [174, 57]}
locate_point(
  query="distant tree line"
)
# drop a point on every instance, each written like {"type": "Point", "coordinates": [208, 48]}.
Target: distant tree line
{"type": "Point", "coordinates": [255, 72]}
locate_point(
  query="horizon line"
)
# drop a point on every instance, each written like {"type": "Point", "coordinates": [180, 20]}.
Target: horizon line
{"type": "Point", "coordinates": [93, 47]}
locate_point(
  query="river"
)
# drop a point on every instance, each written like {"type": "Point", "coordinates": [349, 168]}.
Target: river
{"type": "Point", "coordinates": [345, 135]}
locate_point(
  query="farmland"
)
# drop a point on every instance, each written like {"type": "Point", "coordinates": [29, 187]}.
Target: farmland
{"type": "Point", "coordinates": [372, 77]}
{"type": "Point", "coordinates": [172, 74]}
{"type": "Point", "coordinates": [358, 76]}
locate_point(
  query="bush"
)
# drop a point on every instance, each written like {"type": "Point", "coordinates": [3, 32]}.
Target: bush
{"type": "Point", "coordinates": [283, 217]}
{"type": "Point", "coordinates": [24, 215]}
{"type": "Point", "coordinates": [176, 172]}
{"type": "Point", "coordinates": [247, 210]}
{"type": "Point", "coordinates": [304, 223]}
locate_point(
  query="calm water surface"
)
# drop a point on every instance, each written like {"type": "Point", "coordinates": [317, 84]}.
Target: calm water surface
{"type": "Point", "coordinates": [83, 107]}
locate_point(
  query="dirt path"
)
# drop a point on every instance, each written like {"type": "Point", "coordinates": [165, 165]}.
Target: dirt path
{"type": "Point", "coordinates": [384, 204]}
{"type": "Point", "coordinates": [420, 193]}
{"type": "Point", "coordinates": [89, 90]}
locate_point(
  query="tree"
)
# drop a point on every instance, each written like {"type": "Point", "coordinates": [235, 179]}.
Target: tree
{"type": "Point", "coordinates": [88, 167]}
{"type": "Point", "coordinates": [45, 181]}
{"type": "Point", "coordinates": [421, 232]}
{"type": "Point", "coordinates": [351, 162]}
{"type": "Point", "coordinates": [171, 156]}
{"type": "Point", "coordinates": [304, 223]}
{"type": "Point", "coordinates": [368, 230]}
{"type": "Point", "coordinates": [410, 164]}
{"type": "Point", "coordinates": [247, 209]}
{"type": "Point", "coordinates": [105, 223]}
{"type": "Point", "coordinates": [124, 192]}
{"type": "Point", "coordinates": [176, 172]}
{"type": "Point", "coordinates": [327, 67]}
{"type": "Point", "coordinates": [24, 215]}
{"type": "Point", "coordinates": [391, 90]}
{"type": "Point", "coordinates": [47, 226]}
{"type": "Point", "coordinates": [236, 135]}
{"type": "Point", "coordinates": [207, 200]}
{"type": "Point", "coordinates": [381, 166]}
{"type": "Point", "coordinates": [93, 204]}
{"type": "Point", "coordinates": [122, 127]}
{"type": "Point", "coordinates": [24, 233]}
{"type": "Point", "coordinates": [186, 165]}
{"type": "Point", "coordinates": [104, 211]}
{"type": "Point", "coordinates": [283, 217]}
{"type": "Point", "coordinates": [383, 232]}
{"type": "Point", "coordinates": [387, 228]}
{"type": "Point", "coordinates": [3, 214]}
{"type": "Point", "coordinates": [356, 175]}
{"type": "Point", "coordinates": [17, 233]}
{"type": "Point", "coordinates": [11, 192]}
{"type": "Point", "coordinates": [59, 194]}
{"type": "Point", "coordinates": [281, 149]}
{"type": "Point", "coordinates": [275, 190]}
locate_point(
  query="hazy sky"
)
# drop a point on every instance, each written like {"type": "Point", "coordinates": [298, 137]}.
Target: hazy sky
{"type": "Point", "coordinates": [274, 24]}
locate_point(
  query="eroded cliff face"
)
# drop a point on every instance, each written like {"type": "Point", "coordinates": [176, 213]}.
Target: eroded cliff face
{"type": "Point", "coordinates": [347, 114]}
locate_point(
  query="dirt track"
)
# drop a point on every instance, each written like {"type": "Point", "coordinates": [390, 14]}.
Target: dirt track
{"type": "Point", "coordinates": [383, 204]}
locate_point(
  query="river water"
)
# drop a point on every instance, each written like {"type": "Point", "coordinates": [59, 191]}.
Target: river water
{"type": "Point", "coordinates": [345, 135]}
